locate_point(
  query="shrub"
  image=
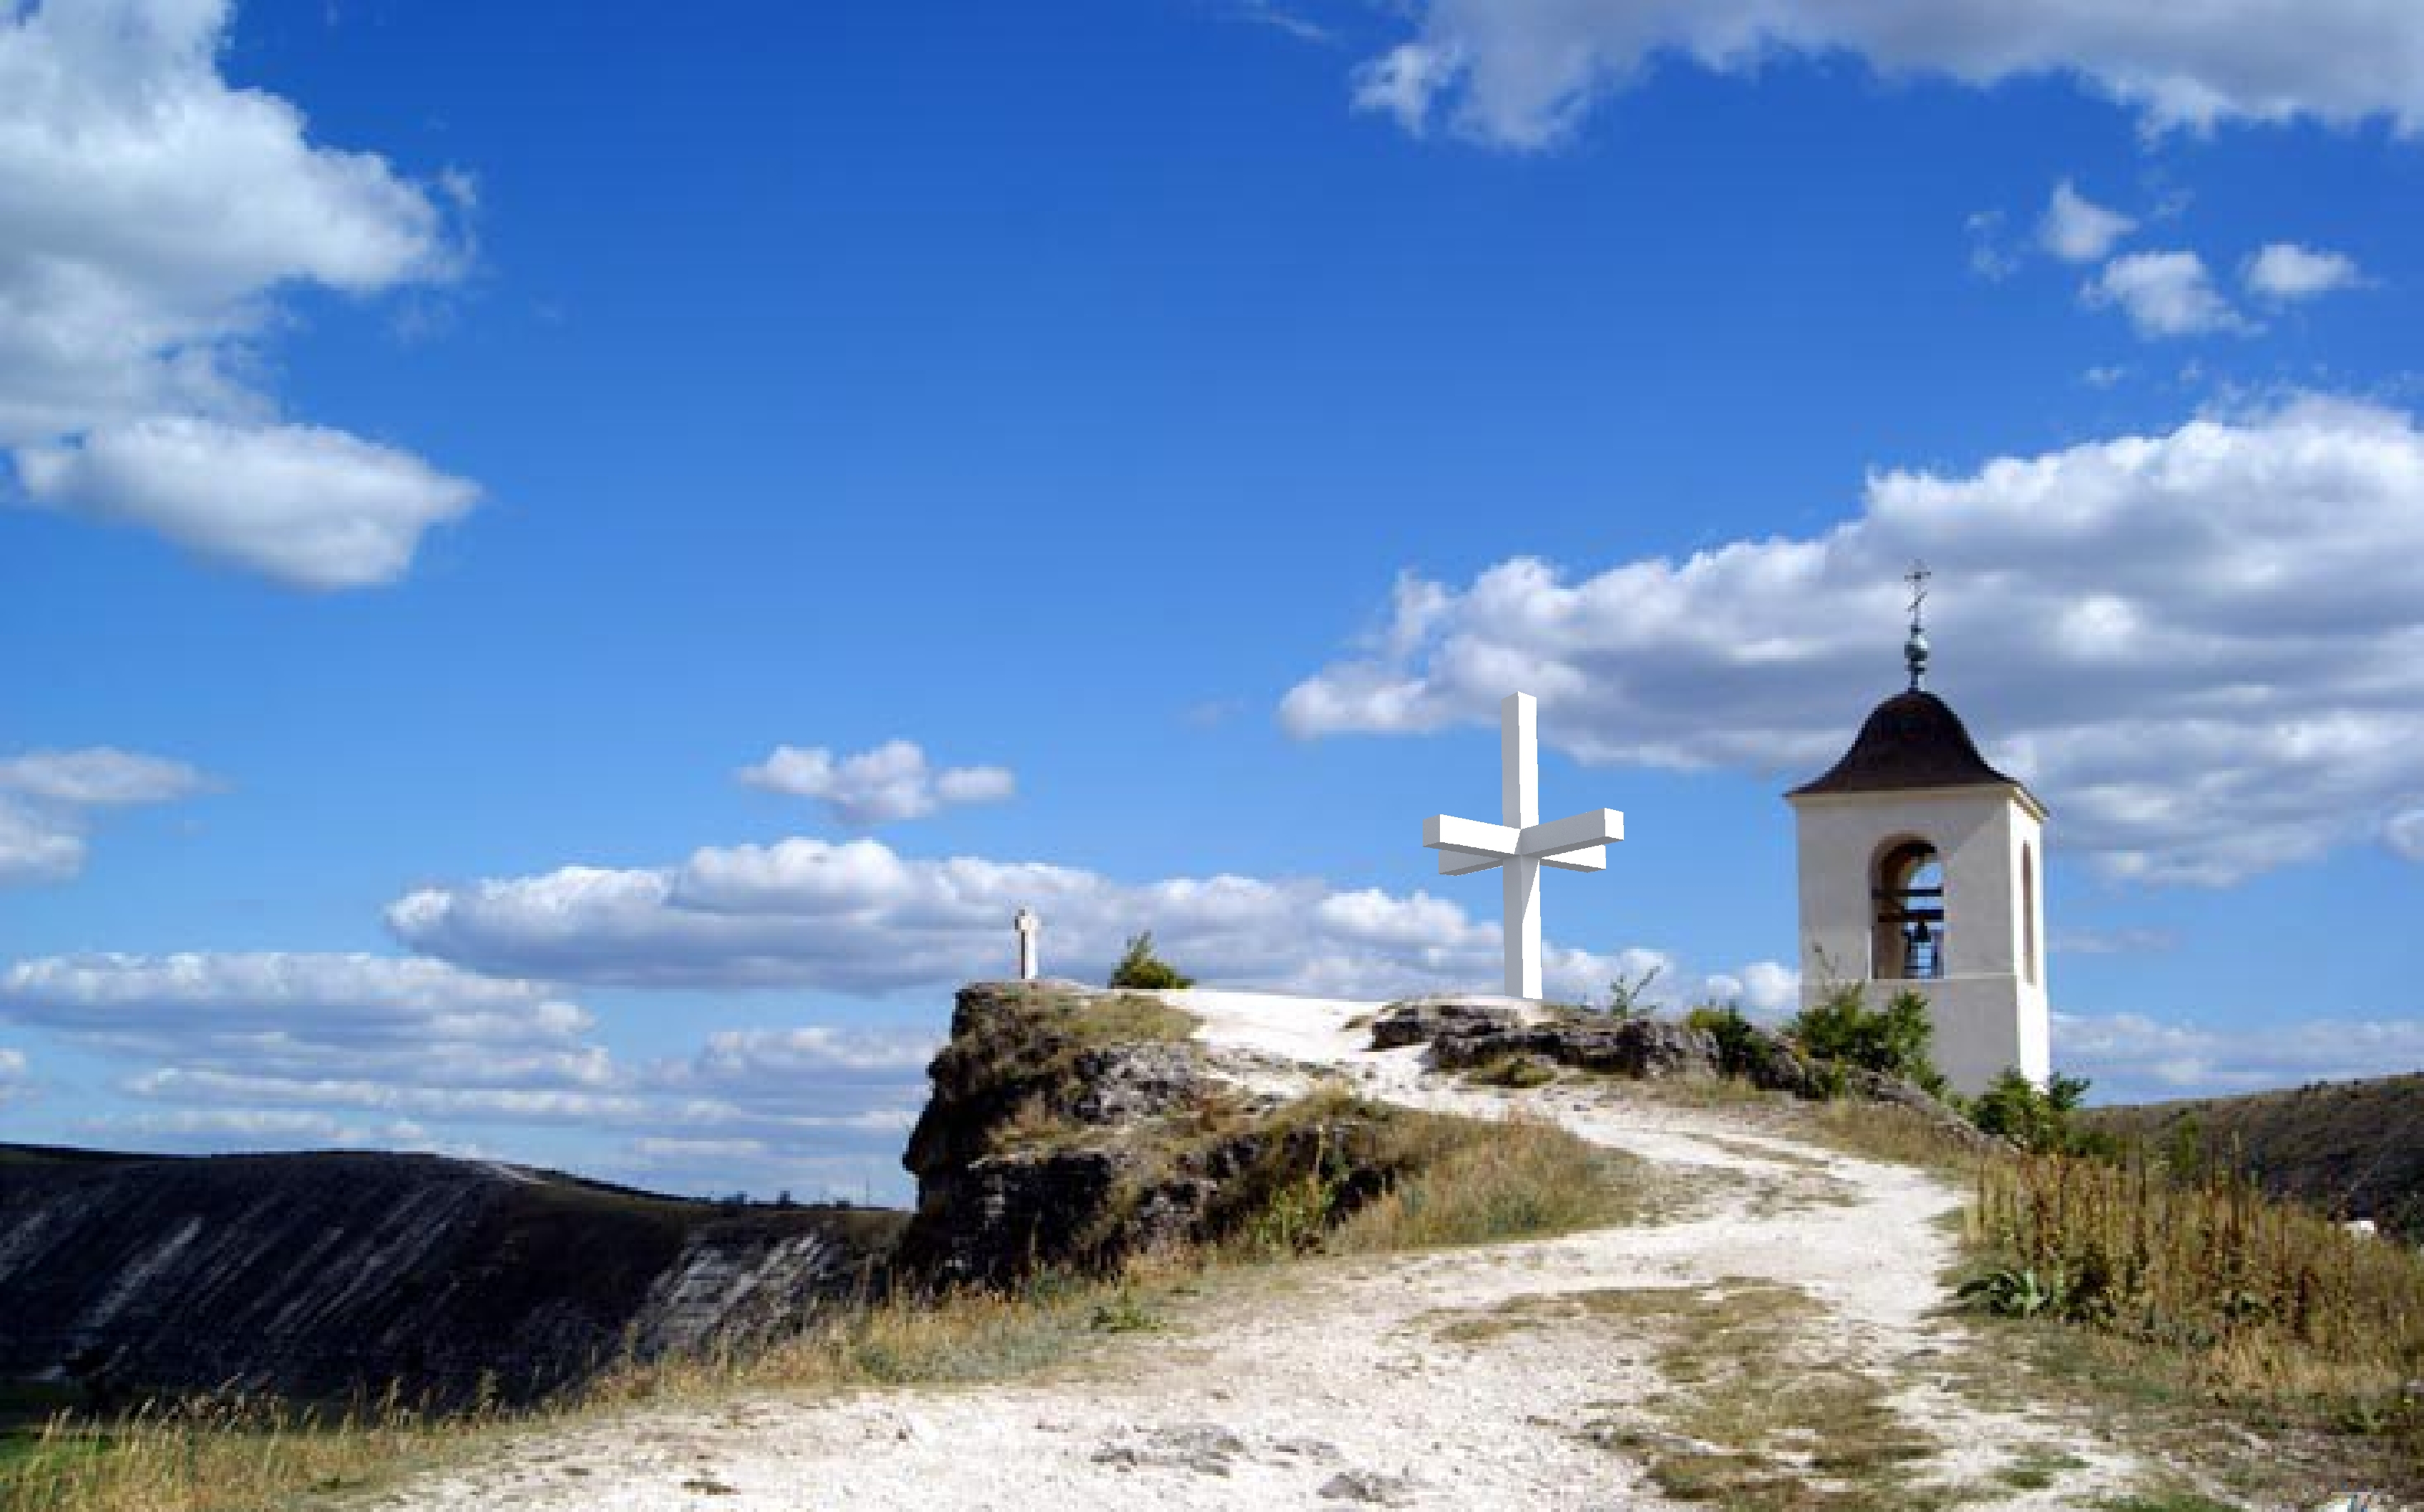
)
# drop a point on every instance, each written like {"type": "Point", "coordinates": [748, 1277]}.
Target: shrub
{"type": "Point", "coordinates": [1735, 1035]}
{"type": "Point", "coordinates": [1628, 997]}
{"type": "Point", "coordinates": [2037, 1120]}
{"type": "Point", "coordinates": [1140, 967]}
{"type": "Point", "coordinates": [1842, 1030]}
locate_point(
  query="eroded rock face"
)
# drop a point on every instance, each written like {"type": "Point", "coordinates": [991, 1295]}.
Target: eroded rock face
{"type": "Point", "coordinates": [1426, 1020]}
{"type": "Point", "coordinates": [1645, 1048]}
{"type": "Point", "coordinates": [1068, 1127]}
{"type": "Point", "coordinates": [322, 1275]}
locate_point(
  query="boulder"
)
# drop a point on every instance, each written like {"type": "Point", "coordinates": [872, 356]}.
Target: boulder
{"type": "Point", "coordinates": [1648, 1049]}
{"type": "Point", "coordinates": [1425, 1020]}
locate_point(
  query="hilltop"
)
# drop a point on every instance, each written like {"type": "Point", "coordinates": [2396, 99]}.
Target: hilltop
{"type": "Point", "coordinates": [2353, 1149]}
{"type": "Point", "coordinates": [320, 1274]}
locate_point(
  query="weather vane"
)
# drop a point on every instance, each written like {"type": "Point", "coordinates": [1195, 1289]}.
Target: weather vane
{"type": "Point", "coordinates": [1914, 651]}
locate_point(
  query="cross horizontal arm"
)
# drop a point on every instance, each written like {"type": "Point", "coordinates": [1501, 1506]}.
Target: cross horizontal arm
{"type": "Point", "coordinates": [1446, 831]}
{"type": "Point", "coordinates": [1578, 832]}
{"type": "Point", "coordinates": [1465, 863]}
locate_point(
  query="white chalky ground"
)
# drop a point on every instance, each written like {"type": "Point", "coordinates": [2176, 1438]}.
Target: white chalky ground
{"type": "Point", "coordinates": [1334, 1388]}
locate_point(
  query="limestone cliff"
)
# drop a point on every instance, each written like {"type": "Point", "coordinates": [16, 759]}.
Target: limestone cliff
{"type": "Point", "coordinates": [325, 1274]}
{"type": "Point", "coordinates": [1076, 1126]}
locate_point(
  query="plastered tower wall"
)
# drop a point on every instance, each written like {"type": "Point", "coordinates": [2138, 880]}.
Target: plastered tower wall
{"type": "Point", "coordinates": [1988, 1008]}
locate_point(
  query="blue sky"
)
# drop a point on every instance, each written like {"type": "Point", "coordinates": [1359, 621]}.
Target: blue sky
{"type": "Point", "coordinates": [562, 569]}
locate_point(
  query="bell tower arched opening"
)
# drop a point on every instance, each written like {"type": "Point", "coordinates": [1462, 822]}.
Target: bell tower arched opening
{"type": "Point", "coordinates": [1906, 886]}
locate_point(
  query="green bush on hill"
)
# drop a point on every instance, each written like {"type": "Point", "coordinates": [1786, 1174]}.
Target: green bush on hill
{"type": "Point", "coordinates": [1140, 968]}
{"type": "Point", "coordinates": [1841, 1029]}
{"type": "Point", "coordinates": [2038, 1120]}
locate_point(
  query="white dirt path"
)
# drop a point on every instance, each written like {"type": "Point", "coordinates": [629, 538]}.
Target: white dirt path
{"type": "Point", "coordinates": [1333, 1385]}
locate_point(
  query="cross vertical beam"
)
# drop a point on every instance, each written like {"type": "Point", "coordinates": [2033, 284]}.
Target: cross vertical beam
{"type": "Point", "coordinates": [1519, 787]}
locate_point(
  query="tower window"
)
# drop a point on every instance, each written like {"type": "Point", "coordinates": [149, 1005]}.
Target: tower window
{"type": "Point", "coordinates": [1908, 888]}
{"type": "Point", "coordinates": [2029, 914]}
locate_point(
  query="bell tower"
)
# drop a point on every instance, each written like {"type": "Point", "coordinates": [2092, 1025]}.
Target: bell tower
{"type": "Point", "coordinates": [1921, 868]}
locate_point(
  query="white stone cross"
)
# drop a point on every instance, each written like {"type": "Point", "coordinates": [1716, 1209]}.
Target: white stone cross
{"type": "Point", "coordinates": [1523, 844]}
{"type": "Point", "coordinates": [1028, 926]}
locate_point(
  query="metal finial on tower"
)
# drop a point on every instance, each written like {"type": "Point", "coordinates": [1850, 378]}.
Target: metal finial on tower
{"type": "Point", "coordinates": [1914, 651]}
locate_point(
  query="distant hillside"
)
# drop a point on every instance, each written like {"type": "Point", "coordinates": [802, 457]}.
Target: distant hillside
{"type": "Point", "coordinates": [2354, 1149]}
{"type": "Point", "coordinates": [318, 1274]}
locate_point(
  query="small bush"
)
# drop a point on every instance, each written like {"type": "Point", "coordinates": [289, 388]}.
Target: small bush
{"type": "Point", "coordinates": [2038, 1120]}
{"type": "Point", "coordinates": [1735, 1035]}
{"type": "Point", "coordinates": [1140, 967]}
{"type": "Point", "coordinates": [1842, 1030]}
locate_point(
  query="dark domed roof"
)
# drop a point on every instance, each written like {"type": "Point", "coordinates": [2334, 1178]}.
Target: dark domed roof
{"type": "Point", "coordinates": [1912, 740]}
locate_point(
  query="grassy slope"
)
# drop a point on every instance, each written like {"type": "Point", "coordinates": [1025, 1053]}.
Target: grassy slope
{"type": "Point", "coordinates": [2354, 1148]}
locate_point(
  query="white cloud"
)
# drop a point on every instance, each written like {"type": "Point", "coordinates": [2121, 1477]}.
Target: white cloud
{"type": "Point", "coordinates": [2165, 294]}
{"type": "Point", "coordinates": [2204, 649]}
{"type": "Point", "coordinates": [130, 297]}
{"type": "Point", "coordinates": [2076, 230]}
{"type": "Point", "coordinates": [215, 1128]}
{"type": "Point", "coordinates": [858, 916]}
{"type": "Point", "coordinates": [46, 799]}
{"type": "Point", "coordinates": [311, 508]}
{"type": "Point", "coordinates": [2116, 942]}
{"type": "Point", "coordinates": [890, 783]}
{"type": "Point", "coordinates": [287, 1049]}
{"type": "Point", "coordinates": [2132, 1057]}
{"type": "Point", "coordinates": [99, 777]}
{"type": "Point", "coordinates": [16, 1076]}
{"type": "Point", "coordinates": [1523, 72]}
{"type": "Point", "coordinates": [2284, 271]}
{"type": "Point", "coordinates": [295, 1014]}
{"type": "Point", "coordinates": [38, 845]}
{"type": "Point", "coordinates": [2404, 834]}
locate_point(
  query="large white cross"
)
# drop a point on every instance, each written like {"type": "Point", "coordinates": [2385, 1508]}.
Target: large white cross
{"type": "Point", "coordinates": [1523, 844]}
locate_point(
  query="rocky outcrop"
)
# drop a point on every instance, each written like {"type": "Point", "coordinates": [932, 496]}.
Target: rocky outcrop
{"type": "Point", "coordinates": [1644, 1049]}
{"type": "Point", "coordinates": [1074, 1127]}
{"type": "Point", "coordinates": [1426, 1020]}
{"type": "Point", "coordinates": [1465, 1035]}
{"type": "Point", "coordinates": [323, 1275]}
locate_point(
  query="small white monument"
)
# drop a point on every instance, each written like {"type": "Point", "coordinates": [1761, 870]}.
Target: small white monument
{"type": "Point", "coordinates": [1920, 871]}
{"type": "Point", "coordinates": [1028, 926]}
{"type": "Point", "coordinates": [1522, 844]}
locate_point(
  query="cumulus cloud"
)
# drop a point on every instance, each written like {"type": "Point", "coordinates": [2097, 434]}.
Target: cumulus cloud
{"type": "Point", "coordinates": [2404, 834]}
{"type": "Point", "coordinates": [1764, 989]}
{"type": "Point", "coordinates": [2076, 230]}
{"type": "Point", "coordinates": [858, 916]}
{"type": "Point", "coordinates": [313, 508]}
{"type": "Point", "coordinates": [129, 298]}
{"type": "Point", "coordinates": [1524, 73]}
{"type": "Point", "coordinates": [47, 799]}
{"type": "Point", "coordinates": [38, 845]}
{"type": "Point", "coordinates": [2285, 272]}
{"type": "Point", "coordinates": [2164, 295]}
{"type": "Point", "coordinates": [2204, 649]}
{"type": "Point", "coordinates": [279, 1049]}
{"type": "Point", "coordinates": [890, 783]}
{"type": "Point", "coordinates": [16, 1076]}
{"type": "Point", "coordinates": [2118, 942]}
{"type": "Point", "coordinates": [2132, 1057]}
{"type": "Point", "coordinates": [289, 1013]}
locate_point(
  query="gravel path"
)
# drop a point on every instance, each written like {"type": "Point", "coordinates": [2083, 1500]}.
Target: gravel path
{"type": "Point", "coordinates": [1337, 1387]}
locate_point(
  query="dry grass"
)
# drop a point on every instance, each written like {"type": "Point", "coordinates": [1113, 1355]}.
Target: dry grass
{"type": "Point", "coordinates": [1479, 1183]}
{"type": "Point", "coordinates": [2205, 1301]}
{"type": "Point", "coordinates": [2275, 1299]}
{"type": "Point", "coordinates": [231, 1455]}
